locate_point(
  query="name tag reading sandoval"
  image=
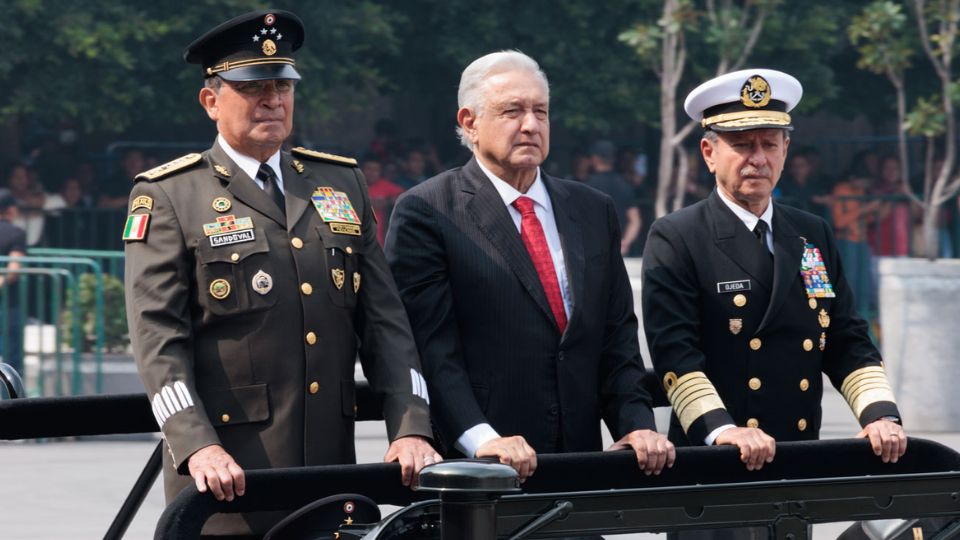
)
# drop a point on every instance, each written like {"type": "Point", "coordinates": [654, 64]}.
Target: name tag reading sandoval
{"type": "Point", "coordinates": [733, 286]}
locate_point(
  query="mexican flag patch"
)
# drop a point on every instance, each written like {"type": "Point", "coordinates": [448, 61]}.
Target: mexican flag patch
{"type": "Point", "coordinates": [136, 228]}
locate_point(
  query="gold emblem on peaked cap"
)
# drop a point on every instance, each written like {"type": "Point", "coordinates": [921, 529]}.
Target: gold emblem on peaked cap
{"type": "Point", "coordinates": [338, 275]}
{"type": "Point", "coordinates": [269, 47]}
{"type": "Point", "coordinates": [755, 93]}
{"type": "Point", "coordinates": [736, 325]}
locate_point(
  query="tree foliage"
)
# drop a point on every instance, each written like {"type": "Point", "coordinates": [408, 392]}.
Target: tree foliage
{"type": "Point", "coordinates": [111, 65]}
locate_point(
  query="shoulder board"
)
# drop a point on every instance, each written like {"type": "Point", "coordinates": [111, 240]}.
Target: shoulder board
{"type": "Point", "coordinates": [169, 167]}
{"type": "Point", "coordinates": [323, 156]}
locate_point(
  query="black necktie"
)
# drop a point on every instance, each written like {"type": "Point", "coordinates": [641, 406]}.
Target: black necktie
{"type": "Point", "coordinates": [760, 231]}
{"type": "Point", "coordinates": [271, 187]}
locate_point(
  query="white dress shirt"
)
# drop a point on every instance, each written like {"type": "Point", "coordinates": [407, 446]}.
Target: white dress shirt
{"type": "Point", "coordinates": [475, 437]}
{"type": "Point", "coordinates": [750, 221]}
{"type": "Point", "coordinates": [250, 165]}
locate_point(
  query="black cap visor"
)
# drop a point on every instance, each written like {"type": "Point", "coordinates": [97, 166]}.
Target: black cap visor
{"type": "Point", "coordinates": [260, 72]}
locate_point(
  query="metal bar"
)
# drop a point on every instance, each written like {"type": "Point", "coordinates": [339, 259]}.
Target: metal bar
{"type": "Point", "coordinates": [136, 496]}
{"type": "Point", "coordinates": [55, 273]}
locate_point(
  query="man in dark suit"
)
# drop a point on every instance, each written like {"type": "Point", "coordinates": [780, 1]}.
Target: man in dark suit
{"type": "Point", "coordinates": [745, 301]}
{"type": "Point", "coordinates": [516, 290]}
{"type": "Point", "coordinates": [251, 276]}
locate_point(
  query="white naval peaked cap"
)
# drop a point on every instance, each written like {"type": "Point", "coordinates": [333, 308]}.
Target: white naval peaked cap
{"type": "Point", "coordinates": [745, 99]}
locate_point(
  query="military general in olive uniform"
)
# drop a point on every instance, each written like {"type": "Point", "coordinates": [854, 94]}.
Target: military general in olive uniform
{"type": "Point", "coordinates": [745, 302]}
{"type": "Point", "coordinates": [252, 275]}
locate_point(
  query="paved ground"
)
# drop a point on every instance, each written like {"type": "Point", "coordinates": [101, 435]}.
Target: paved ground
{"type": "Point", "coordinates": [72, 489]}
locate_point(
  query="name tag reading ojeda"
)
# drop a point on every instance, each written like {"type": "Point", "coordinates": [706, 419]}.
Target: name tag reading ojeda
{"type": "Point", "coordinates": [733, 286]}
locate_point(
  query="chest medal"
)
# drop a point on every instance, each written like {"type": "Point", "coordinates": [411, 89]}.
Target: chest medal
{"type": "Point", "coordinates": [814, 273]}
{"type": "Point", "coordinates": [336, 210]}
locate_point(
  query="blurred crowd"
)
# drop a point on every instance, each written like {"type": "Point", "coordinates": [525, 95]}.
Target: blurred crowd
{"type": "Point", "coordinates": [866, 202]}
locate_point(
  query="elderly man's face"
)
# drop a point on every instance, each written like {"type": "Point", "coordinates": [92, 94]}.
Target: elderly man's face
{"type": "Point", "coordinates": [512, 132]}
{"type": "Point", "coordinates": [747, 164]}
{"type": "Point", "coordinates": [254, 117]}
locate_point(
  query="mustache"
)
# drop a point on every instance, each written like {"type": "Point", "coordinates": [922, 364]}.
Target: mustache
{"type": "Point", "coordinates": [750, 170]}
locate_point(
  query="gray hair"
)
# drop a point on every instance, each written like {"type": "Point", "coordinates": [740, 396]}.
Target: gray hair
{"type": "Point", "coordinates": [473, 88]}
{"type": "Point", "coordinates": [712, 136]}
{"type": "Point", "coordinates": [214, 83]}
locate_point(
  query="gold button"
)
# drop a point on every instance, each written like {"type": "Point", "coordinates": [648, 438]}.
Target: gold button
{"type": "Point", "coordinates": [349, 250]}
{"type": "Point", "coordinates": [225, 418]}
{"type": "Point", "coordinates": [311, 338]}
{"type": "Point", "coordinates": [755, 344]}
{"type": "Point", "coordinates": [234, 257]}
{"type": "Point", "coordinates": [812, 303]}
{"type": "Point", "coordinates": [802, 424]}
{"type": "Point", "coordinates": [739, 300]}
{"type": "Point", "coordinates": [753, 422]}
{"type": "Point", "coordinates": [804, 385]}
{"type": "Point", "coordinates": [808, 344]}
{"type": "Point", "coordinates": [754, 383]}
{"type": "Point", "coordinates": [306, 288]}
{"type": "Point", "coordinates": [314, 387]}
{"type": "Point", "coordinates": [296, 242]}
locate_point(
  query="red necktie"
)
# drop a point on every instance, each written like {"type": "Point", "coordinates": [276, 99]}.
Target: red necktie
{"type": "Point", "coordinates": [532, 234]}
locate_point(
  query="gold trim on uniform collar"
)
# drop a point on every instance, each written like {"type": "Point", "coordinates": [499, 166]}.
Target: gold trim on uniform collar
{"type": "Point", "coordinates": [747, 118]}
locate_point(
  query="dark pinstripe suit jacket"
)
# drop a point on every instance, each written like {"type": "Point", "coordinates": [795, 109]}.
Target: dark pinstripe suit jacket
{"type": "Point", "coordinates": [489, 347]}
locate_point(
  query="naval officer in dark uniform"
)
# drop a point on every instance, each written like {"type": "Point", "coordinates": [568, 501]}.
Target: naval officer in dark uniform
{"type": "Point", "coordinates": [745, 301]}
{"type": "Point", "coordinates": [253, 276]}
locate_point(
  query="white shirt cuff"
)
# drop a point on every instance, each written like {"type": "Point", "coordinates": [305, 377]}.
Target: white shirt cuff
{"type": "Point", "coordinates": [716, 433]}
{"type": "Point", "coordinates": [474, 438]}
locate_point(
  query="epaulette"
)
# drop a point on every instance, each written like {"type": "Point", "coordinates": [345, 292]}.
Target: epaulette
{"type": "Point", "coordinates": [169, 167]}
{"type": "Point", "coordinates": [323, 156]}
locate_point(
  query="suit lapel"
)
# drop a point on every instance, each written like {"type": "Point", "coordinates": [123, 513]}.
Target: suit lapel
{"type": "Point", "coordinates": [788, 251]}
{"type": "Point", "coordinates": [487, 210]}
{"type": "Point", "coordinates": [297, 187]}
{"type": "Point", "coordinates": [244, 188]}
{"type": "Point", "coordinates": [571, 240]}
{"type": "Point", "coordinates": [738, 243]}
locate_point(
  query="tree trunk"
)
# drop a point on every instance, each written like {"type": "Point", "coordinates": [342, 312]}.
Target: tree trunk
{"type": "Point", "coordinates": [668, 106]}
{"type": "Point", "coordinates": [931, 237]}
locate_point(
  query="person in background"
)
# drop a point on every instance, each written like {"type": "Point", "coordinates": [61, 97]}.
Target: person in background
{"type": "Point", "coordinates": [581, 166]}
{"type": "Point", "coordinates": [852, 216]}
{"type": "Point", "coordinates": [801, 186]}
{"type": "Point", "coordinates": [414, 168]}
{"type": "Point", "coordinates": [383, 193]}
{"type": "Point", "coordinates": [889, 231]}
{"type": "Point", "coordinates": [116, 190]}
{"type": "Point", "coordinates": [13, 243]}
{"type": "Point", "coordinates": [606, 180]}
